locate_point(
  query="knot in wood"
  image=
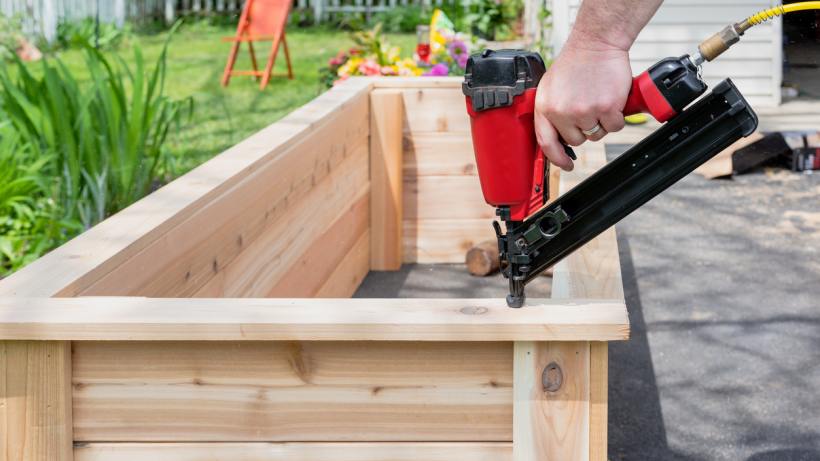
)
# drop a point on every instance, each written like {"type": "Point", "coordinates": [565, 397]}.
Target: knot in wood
{"type": "Point", "coordinates": [473, 310]}
{"type": "Point", "coordinates": [552, 377]}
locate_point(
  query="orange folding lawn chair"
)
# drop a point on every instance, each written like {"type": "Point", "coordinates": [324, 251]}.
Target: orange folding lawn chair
{"type": "Point", "coordinates": [261, 21]}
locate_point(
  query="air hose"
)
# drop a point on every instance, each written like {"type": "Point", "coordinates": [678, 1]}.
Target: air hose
{"type": "Point", "coordinates": [715, 45]}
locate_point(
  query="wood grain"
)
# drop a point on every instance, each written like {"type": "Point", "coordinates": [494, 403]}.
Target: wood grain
{"type": "Point", "coordinates": [386, 118]}
{"type": "Point", "coordinates": [444, 209]}
{"type": "Point", "coordinates": [443, 240]}
{"type": "Point", "coordinates": [439, 154]}
{"type": "Point", "coordinates": [445, 197]}
{"type": "Point", "coordinates": [350, 451]}
{"type": "Point", "coordinates": [452, 83]}
{"type": "Point", "coordinates": [598, 400]}
{"type": "Point", "coordinates": [349, 274]}
{"type": "Point", "coordinates": [551, 425]}
{"type": "Point", "coordinates": [435, 110]}
{"type": "Point", "coordinates": [151, 319]}
{"type": "Point", "coordinates": [274, 253]}
{"type": "Point", "coordinates": [311, 271]}
{"type": "Point", "coordinates": [35, 401]}
{"type": "Point", "coordinates": [292, 391]}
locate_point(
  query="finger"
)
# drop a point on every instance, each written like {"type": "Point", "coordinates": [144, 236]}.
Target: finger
{"type": "Point", "coordinates": [548, 139]}
{"type": "Point", "coordinates": [598, 135]}
{"type": "Point", "coordinates": [612, 121]}
{"type": "Point", "coordinates": [572, 128]}
{"type": "Point", "coordinates": [570, 133]}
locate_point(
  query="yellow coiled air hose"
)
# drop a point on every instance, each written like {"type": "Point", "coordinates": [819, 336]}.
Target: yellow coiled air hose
{"type": "Point", "coordinates": [780, 10]}
{"type": "Point", "coordinates": [715, 45]}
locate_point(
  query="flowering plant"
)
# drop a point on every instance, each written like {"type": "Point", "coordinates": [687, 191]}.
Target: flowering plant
{"type": "Point", "coordinates": [450, 58]}
{"type": "Point", "coordinates": [371, 56]}
{"type": "Point", "coordinates": [449, 49]}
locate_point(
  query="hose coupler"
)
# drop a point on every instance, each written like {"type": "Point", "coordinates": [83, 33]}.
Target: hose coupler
{"type": "Point", "coordinates": [715, 45]}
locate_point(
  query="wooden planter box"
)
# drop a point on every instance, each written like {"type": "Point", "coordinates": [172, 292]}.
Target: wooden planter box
{"type": "Point", "coordinates": [182, 328]}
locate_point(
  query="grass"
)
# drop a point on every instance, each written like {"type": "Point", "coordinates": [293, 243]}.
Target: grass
{"type": "Point", "coordinates": [225, 116]}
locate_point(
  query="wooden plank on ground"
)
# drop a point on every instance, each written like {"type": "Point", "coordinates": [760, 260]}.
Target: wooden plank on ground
{"type": "Point", "coordinates": [386, 118]}
{"type": "Point", "coordinates": [258, 451]}
{"type": "Point", "coordinates": [292, 391]}
{"type": "Point", "coordinates": [721, 164]}
{"type": "Point", "coordinates": [35, 401]}
{"type": "Point", "coordinates": [150, 319]}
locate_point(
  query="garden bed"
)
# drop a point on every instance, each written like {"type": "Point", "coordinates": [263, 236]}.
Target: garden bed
{"type": "Point", "coordinates": [106, 353]}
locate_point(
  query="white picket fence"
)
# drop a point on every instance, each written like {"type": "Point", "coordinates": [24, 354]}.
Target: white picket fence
{"type": "Point", "coordinates": [322, 9]}
{"type": "Point", "coordinates": [40, 17]}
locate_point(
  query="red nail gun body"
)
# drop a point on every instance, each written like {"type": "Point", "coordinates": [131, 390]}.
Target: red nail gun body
{"type": "Point", "coordinates": [500, 88]}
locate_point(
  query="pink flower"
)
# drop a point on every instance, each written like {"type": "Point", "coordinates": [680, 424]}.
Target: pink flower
{"type": "Point", "coordinates": [457, 48]}
{"type": "Point", "coordinates": [462, 61]}
{"type": "Point", "coordinates": [439, 70]}
{"type": "Point", "coordinates": [370, 68]}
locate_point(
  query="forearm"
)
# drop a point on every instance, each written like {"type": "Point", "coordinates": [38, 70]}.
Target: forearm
{"type": "Point", "coordinates": [611, 24]}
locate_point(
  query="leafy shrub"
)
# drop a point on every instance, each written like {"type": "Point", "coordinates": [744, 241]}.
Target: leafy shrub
{"type": "Point", "coordinates": [301, 17]}
{"type": "Point", "coordinates": [457, 11]}
{"type": "Point", "coordinates": [492, 19]}
{"type": "Point", "coordinates": [27, 225]}
{"type": "Point", "coordinates": [403, 18]}
{"type": "Point", "coordinates": [81, 33]}
{"type": "Point", "coordinates": [350, 21]}
{"type": "Point", "coordinates": [103, 139]}
{"type": "Point", "coordinates": [11, 32]}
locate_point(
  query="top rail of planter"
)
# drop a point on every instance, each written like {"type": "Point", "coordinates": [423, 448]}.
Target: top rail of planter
{"type": "Point", "coordinates": [224, 319]}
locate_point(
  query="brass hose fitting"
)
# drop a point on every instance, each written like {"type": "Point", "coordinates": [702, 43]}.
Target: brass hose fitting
{"type": "Point", "coordinates": [715, 45]}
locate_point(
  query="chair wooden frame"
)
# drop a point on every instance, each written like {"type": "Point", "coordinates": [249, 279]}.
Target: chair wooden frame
{"type": "Point", "coordinates": [244, 35]}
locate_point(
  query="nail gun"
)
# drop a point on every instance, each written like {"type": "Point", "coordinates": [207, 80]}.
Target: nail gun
{"type": "Point", "coordinates": [500, 90]}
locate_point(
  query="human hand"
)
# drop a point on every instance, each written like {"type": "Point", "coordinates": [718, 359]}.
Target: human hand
{"type": "Point", "coordinates": [585, 86]}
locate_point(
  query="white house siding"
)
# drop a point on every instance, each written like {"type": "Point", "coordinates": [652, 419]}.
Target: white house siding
{"type": "Point", "coordinates": [754, 64]}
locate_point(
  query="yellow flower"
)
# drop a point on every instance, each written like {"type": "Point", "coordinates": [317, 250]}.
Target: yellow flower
{"type": "Point", "coordinates": [351, 67]}
{"type": "Point", "coordinates": [408, 67]}
{"type": "Point", "coordinates": [393, 54]}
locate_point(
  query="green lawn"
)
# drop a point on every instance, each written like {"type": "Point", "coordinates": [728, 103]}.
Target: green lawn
{"type": "Point", "coordinates": [225, 116]}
